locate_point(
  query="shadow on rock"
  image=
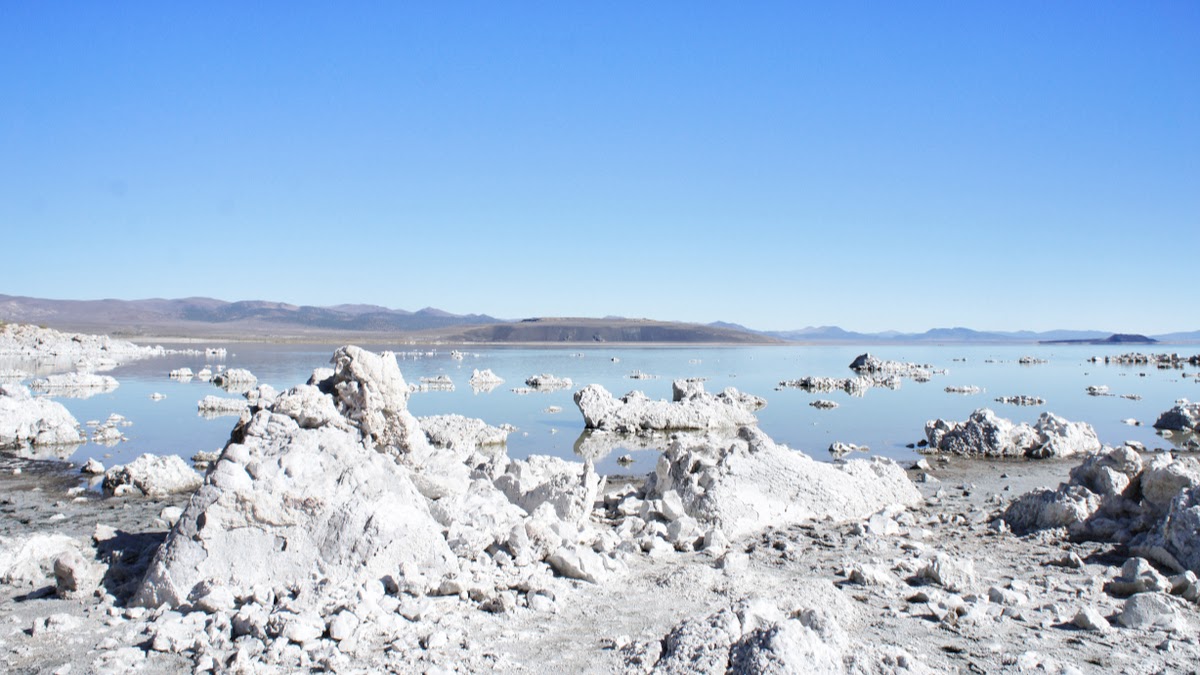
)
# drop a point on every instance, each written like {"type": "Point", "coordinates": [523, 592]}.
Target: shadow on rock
{"type": "Point", "coordinates": [127, 555]}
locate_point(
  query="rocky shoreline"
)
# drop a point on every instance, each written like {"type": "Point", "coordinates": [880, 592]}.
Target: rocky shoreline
{"type": "Point", "coordinates": [338, 532]}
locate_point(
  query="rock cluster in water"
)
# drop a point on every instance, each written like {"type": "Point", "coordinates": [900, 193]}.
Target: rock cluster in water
{"type": "Point", "coordinates": [871, 372]}
{"type": "Point", "coordinates": [867, 364]}
{"type": "Point", "coordinates": [484, 380]}
{"type": "Point", "coordinates": [1185, 416]}
{"type": "Point", "coordinates": [74, 385]}
{"type": "Point", "coordinates": [1021, 399]}
{"type": "Point", "coordinates": [986, 434]}
{"type": "Point", "coordinates": [69, 351]}
{"type": "Point", "coordinates": [28, 422]}
{"type": "Point", "coordinates": [691, 408]}
{"type": "Point", "coordinates": [1158, 360]}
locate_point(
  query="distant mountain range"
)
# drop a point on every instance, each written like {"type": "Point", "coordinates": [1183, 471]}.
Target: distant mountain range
{"type": "Point", "coordinates": [257, 319]}
{"type": "Point", "coordinates": [835, 334]}
{"type": "Point", "coordinates": [211, 318]}
{"type": "Point", "coordinates": [208, 316]}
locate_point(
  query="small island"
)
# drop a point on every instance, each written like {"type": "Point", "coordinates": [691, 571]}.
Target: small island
{"type": "Point", "coordinates": [1114, 339]}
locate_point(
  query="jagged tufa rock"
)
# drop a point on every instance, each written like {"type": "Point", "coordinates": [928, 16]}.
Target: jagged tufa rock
{"type": "Point", "coordinates": [757, 636]}
{"type": "Point", "coordinates": [692, 409]}
{"type": "Point", "coordinates": [289, 503]}
{"type": "Point", "coordinates": [1153, 506]}
{"type": "Point", "coordinates": [986, 434]}
{"type": "Point", "coordinates": [330, 489]}
{"type": "Point", "coordinates": [370, 392]}
{"type": "Point", "coordinates": [152, 476]}
{"type": "Point", "coordinates": [27, 421]}
{"type": "Point", "coordinates": [749, 483]}
{"type": "Point", "coordinates": [74, 385]}
{"type": "Point", "coordinates": [1184, 416]}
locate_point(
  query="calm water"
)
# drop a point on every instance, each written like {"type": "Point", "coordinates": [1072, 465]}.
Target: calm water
{"type": "Point", "coordinates": [884, 419]}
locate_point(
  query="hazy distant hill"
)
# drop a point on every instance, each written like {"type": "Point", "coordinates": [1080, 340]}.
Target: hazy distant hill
{"type": "Point", "coordinates": [821, 334]}
{"type": "Point", "coordinates": [208, 316]}
{"type": "Point", "coordinates": [1190, 336]}
{"type": "Point", "coordinates": [836, 334]}
{"type": "Point", "coordinates": [578, 330]}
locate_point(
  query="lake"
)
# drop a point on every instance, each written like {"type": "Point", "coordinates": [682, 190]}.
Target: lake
{"type": "Point", "coordinates": [886, 420]}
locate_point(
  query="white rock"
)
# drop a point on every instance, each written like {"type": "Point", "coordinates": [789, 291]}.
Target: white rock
{"type": "Point", "coordinates": [748, 483]}
{"type": "Point", "coordinates": [462, 434]}
{"type": "Point", "coordinates": [285, 501]}
{"type": "Point", "coordinates": [547, 382]}
{"type": "Point", "coordinates": [55, 623]}
{"type": "Point", "coordinates": [484, 380]}
{"type": "Point", "coordinates": [343, 625]}
{"type": "Point", "coordinates": [233, 379]}
{"type": "Point", "coordinates": [570, 488]}
{"type": "Point", "coordinates": [986, 434]}
{"type": "Point", "coordinates": [34, 343]}
{"type": "Point", "coordinates": [75, 385]}
{"type": "Point", "coordinates": [672, 506]}
{"type": "Point", "coordinates": [73, 574]}
{"type": "Point", "coordinates": [93, 467]}
{"type": "Point", "coordinates": [1088, 618]}
{"type": "Point", "coordinates": [1163, 479]}
{"type": "Point", "coordinates": [1184, 416]}
{"type": "Point", "coordinates": [152, 476]}
{"type": "Point", "coordinates": [754, 636]}
{"type": "Point", "coordinates": [216, 405]}
{"type": "Point", "coordinates": [1148, 611]}
{"type": "Point", "coordinates": [304, 628]}
{"type": "Point", "coordinates": [693, 408]}
{"type": "Point", "coordinates": [212, 598]}
{"type": "Point", "coordinates": [954, 574]}
{"type": "Point", "coordinates": [872, 575]}
{"type": "Point", "coordinates": [577, 562]}
{"type": "Point", "coordinates": [27, 421]}
{"type": "Point", "coordinates": [30, 560]}
{"type": "Point", "coordinates": [1137, 576]}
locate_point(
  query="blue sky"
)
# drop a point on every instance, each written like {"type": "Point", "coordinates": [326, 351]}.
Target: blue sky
{"type": "Point", "coordinates": [874, 165]}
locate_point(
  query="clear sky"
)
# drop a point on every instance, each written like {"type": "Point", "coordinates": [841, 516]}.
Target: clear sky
{"type": "Point", "coordinates": [875, 165]}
